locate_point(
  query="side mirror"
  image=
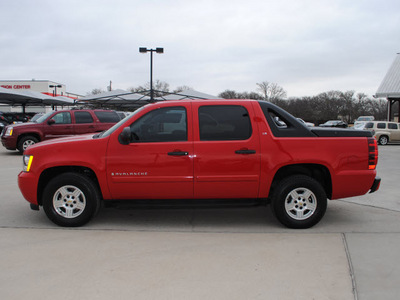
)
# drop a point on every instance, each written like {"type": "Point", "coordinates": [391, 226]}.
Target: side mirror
{"type": "Point", "coordinates": [124, 137]}
{"type": "Point", "coordinates": [51, 122]}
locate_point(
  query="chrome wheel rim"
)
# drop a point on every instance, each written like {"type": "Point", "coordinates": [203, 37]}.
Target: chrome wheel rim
{"type": "Point", "coordinates": [300, 203]}
{"type": "Point", "coordinates": [69, 201]}
{"type": "Point", "coordinates": [27, 143]}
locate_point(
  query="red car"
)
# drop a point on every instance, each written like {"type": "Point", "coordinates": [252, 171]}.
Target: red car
{"type": "Point", "coordinates": [57, 124]}
{"type": "Point", "coordinates": [202, 150]}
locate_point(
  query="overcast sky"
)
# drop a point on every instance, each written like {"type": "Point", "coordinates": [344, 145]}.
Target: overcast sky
{"type": "Point", "coordinates": [307, 47]}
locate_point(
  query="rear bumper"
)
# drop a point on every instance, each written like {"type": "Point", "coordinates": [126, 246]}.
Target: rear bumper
{"type": "Point", "coordinates": [375, 186]}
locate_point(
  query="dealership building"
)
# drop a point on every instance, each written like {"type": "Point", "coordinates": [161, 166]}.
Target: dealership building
{"type": "Point", "coordinates": [47, 87]}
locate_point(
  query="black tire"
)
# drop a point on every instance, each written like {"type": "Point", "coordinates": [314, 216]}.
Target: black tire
{"type": "Point", "coordinates": [71, 200]}
{"type": "Point", "coordinates": [299, 201]}
{"type": "Point", "coordinates": [383, 140]}
{"type": "Point", "coordinates": [25, 142]}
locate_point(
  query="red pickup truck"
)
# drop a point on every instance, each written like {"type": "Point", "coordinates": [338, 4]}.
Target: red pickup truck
{"type": "Point", "coordinates": [56, 124]}
{"type": "Point", "coordinates": [237, 150]}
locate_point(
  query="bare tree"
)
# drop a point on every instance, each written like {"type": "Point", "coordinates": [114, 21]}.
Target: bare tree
{"type": "Point", "coordinates": [160, 87]}
{"type": "Point", "coordinates": [182, 88]}
{"type": "Point", "coordinates": [271, 91]}
{"type": "Point", "coordinates": [228, 94]}
{"type": "Point", "coordinates": [96, 91]}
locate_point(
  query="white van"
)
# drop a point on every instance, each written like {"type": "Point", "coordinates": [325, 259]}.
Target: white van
{"type": "Point", "coordinates": [384, 132]}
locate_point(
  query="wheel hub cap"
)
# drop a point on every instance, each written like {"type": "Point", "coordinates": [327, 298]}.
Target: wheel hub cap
{"type": "Point", "coordinates": [300, 203]}
{"type": "Point", "coordinates": [69, 201]}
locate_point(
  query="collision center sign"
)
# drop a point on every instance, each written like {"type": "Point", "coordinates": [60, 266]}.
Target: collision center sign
{"type": "Point", "coordinates": [17, 86]}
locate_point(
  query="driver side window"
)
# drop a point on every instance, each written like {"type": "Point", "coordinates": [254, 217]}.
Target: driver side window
{"type": "Point", "coordinates": [161, 125]}
{"type": "Point", "coordinates": [62, 118]}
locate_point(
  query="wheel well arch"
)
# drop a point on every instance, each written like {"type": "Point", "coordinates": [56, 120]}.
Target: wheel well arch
{"type": "Point", "coordinates": [318, 172]}
{"type": "Point", "coordinates": [34, 134]}
{"type": "Point", "coordinates": [385, 135]}
{"type": "Point", "coordinates": [50, 173]}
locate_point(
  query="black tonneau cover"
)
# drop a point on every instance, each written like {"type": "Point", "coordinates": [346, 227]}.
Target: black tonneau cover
{"type": "Point", "coordinates": [339, 132]}
{"type": "Point", "coordinates": [293, 128]}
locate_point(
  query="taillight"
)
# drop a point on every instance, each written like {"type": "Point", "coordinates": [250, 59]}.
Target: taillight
{"type": "Point", "coordinates": [372, 153]}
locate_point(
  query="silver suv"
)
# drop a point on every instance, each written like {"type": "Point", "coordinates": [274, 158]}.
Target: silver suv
{"type": "Point", "coordinates": [384, 132]}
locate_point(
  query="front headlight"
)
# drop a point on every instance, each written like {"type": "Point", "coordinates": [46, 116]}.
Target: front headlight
{"type": "Point", "coordinates": [27, 162]}
{"type": "Point", "coordinates": [9, 131]}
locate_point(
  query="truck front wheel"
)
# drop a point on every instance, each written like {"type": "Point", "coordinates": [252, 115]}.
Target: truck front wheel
{"type": "Point", "coordinates": [71, 200]}
{"type": "Point", "coordinates": [299, 202]}
{"type": "Point", "coordinates": [25, 142]}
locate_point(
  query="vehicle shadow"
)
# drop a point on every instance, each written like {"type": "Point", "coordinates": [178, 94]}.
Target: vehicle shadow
{"type": "Point", "coordinates": [253, 219]}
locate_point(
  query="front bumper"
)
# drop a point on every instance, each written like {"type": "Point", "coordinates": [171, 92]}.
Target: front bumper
{"type": "Point", "coordinates": [375, 186]}
{"type": "Point", "coordinates": [28, 183]}
{"type": "Point", "coordinates": [9, 143]}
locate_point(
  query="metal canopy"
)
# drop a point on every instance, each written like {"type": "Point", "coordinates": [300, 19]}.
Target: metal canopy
{"type": "Point", "coordinates": [104, 95]}
{"type": "Point", "coordinates": [123, 98]}
{"type": "Point", "coordinates": [60, 100]}
{"type": "Point", "coordinates": [187, 94]}
{"type": "Point", "coordinates": [31, 98]}
{"type": "Point", "coordinates": [18, 98]}
{"type": "Point", "coordinates": [119, 98]}
{"type": "Point", "coordinates": [390, 86]}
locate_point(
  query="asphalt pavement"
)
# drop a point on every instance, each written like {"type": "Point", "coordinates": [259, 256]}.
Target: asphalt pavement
{"type": "Point", "coordinates": [226, 253]}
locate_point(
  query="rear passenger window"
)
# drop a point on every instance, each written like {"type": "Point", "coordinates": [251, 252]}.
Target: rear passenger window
{"type": "Point", "coordinates": [392, 126]}
{"type": "Point", "coordinates": [107, 116]}
{"type": "Point", "coordinates": [83, 117]}
{"type": "Point", "coordinates": [381, 125]}
{"type": "Point", "coordinates": [224, 123]}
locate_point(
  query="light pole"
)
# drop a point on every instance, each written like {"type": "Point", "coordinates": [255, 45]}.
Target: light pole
{"type": "Point", "coordinates": [145, 50]}
{"type": "Point", "coordinates": [55, 88]}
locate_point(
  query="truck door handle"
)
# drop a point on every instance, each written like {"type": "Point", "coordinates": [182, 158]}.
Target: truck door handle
{"type": "Point", "coordinates": [178, 153]}
{"type": "Point", "coordinates": [245, 151]}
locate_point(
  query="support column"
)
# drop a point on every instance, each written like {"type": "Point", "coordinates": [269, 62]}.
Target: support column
{"type": "Point", "coordinates": [389, 109]}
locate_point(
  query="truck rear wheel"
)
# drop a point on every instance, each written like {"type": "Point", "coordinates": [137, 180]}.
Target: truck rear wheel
{"type": "Point", "coordinates": [71, 200]}
{"type": "Point", "coordinates": [299, 202]}
{"type": "Point", "coordinates": [25, 142]}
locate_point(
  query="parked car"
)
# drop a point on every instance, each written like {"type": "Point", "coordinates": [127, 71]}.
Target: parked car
{"type": "Point", "coordinates": [361, 121]}
{"type": "Point", "coordinates": [334, 123]}
{"type": "Point", "coordinates": [14, 117]}
{"type": "Point", "coordinates": [384, 132]}
{"type": "Point", "coordinates": [225, 150]}
{"type": "Point", "coordinates": [57, 124]}
{"type": "Point", "coordinates": [4, 119]}
{"type": "Point", "coordinates": [309, 124]}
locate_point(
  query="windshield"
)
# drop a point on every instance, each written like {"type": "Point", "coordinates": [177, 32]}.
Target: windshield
{"type": "Point", "coordinates": [112, 129]}
{"type": "Point", "coordinates": [44, 117]}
